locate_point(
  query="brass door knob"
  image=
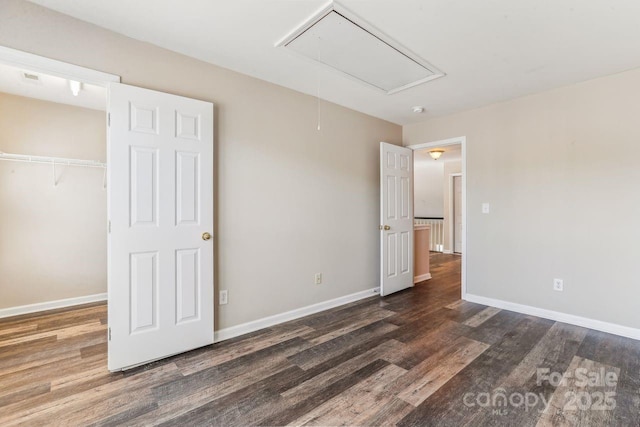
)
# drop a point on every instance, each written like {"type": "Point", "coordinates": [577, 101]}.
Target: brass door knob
{"type": "Point", "coordinates": [206, 236]}
{"type": "Point", "coordinates": [385, 227]}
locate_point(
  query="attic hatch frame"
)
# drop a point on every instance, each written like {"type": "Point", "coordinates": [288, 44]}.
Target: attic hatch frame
{"type": "Point", "coordinates": [367, 27]}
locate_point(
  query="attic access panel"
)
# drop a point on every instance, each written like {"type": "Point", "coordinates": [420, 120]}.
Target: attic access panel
{"type": "Point", "coordinates": [337, 38]}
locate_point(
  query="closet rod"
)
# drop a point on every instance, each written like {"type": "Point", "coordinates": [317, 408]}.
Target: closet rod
{"type": "Point", "coordinates": [52, 160]}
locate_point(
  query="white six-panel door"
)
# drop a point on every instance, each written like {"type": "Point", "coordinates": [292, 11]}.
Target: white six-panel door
{"type": "Point", "coordinates": [160, 201]}
{"type": "Point", "coordinates": [396, 218]}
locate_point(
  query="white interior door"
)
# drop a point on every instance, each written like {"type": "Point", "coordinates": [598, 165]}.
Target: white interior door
{"type": "Point", "coordinates": [396, 218]}
{"type": "Point", "coordinates": [457, 214]}
{"type": "Point", "coordinates": [160, 201]}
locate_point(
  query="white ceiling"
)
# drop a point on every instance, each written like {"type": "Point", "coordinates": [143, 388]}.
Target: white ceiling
{"type": "Point", "coordinates": [491, 50]}
{"type": "Point", "coordinates": [50, 88]}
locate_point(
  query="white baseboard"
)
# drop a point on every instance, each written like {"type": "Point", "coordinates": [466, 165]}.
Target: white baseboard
{"type": "Point", "coordinates": [50, 305]}
{"type": "Point", "coordinates": [447, 251]}
{"type": "Point", "coordinates": [422, 278]}
{"type": "Point", "coordinates": [598, 325]}
{"type": "Point", "coordinates": [265, 322]}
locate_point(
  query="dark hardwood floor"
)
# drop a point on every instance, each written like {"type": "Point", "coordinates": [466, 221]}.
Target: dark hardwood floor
{"type": "Point", "coordinates": [420, 357]}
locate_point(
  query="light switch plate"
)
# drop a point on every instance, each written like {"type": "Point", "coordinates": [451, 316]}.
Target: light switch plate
{"type": "Point", "coordinates": [485, 208]}
{"type": "Point", "coordinates": [224, 297]}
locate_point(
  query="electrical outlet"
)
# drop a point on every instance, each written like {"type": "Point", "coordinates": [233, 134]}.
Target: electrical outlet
{"type": "Point", "coordinates": [558, 285]}
{"type": "Point", "coordinates": [224, 297]}
{"type": "Point", "coordinates": [318, 278]}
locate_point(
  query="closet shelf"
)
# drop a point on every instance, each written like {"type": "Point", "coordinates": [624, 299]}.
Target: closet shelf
{"type": "Point", "coordinates": [52, 160]}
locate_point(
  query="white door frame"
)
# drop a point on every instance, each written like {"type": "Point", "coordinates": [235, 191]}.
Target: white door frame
{"type": "Point", "coordinates": [41, 64]}
{"type": "Point", "coordinates": [450, 208]}
{"type": "Point", "coordinates": [31, 62]}
{"type": "Point", "coordinates": [462, 141]}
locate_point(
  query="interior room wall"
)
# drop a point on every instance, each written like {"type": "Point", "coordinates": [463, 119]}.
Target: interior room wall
{"type": "Point", "coordinates": [560, 171]}
{"type": "Point", "coordinates": [53, 241]}
{"type": "Point", "coordinates": [450, 167]}
{"type": "Point", "coordinates": [291, 201]}
{"type": "Point", "coordinates": [428, 187]}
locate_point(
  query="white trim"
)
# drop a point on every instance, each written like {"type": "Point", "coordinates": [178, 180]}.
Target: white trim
{"type": "Point", "coordinates": [598, 325]}
{"type": "Point", "coordinates": [447, 252]}
{"type": "Point", "coordinates": [51, 305]}
{"type": "Point", "coordinates": [305, 25]}
{"type": "Point", "coordinates": [462, 140]}
{"type": "Point", "coordinates": [452, 220]}
{"type": "Point", "coordinates": [31, 62]}
{"type": "Point", "coordinates": [439, 143]}
{"type": "Point", "coordinates": [265, 322]}
{"type": "Point", "coordinates": [422, 278]}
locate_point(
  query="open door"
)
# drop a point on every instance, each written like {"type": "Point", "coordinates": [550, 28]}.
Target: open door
{"type": "Point", "coordinates": [160, 202]}
{"type": "Point", "coordinates": [396, 218]}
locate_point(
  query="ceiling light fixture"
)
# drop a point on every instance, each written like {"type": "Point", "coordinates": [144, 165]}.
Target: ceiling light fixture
{"type": "Point", "coordinates": [75, 87]}
{"type": "Point", "coordinates": [436, 154]}
{"type": "Point", "coordinates": [417, 109]}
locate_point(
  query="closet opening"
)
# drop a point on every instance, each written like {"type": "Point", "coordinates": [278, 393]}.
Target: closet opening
{"type": "Point", "coordinates": [53, 199]}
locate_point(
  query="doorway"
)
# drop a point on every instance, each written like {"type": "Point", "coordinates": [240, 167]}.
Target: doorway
{"type": "Point", "coordinates": [454, 229]}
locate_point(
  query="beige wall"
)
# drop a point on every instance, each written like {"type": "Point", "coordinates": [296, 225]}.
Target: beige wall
{"type": "Point", "coordinates": [449, 168]}
{"type": "Point", "coordinates": [52, 239]}
{"type": "Point", "coordinates": [561, 172]}
{"type": "Point", "coordinates": [290, 200]}
{"type": "Point", "coordinates": [428, 187]}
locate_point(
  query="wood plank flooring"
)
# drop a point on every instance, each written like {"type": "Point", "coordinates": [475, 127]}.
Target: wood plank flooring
{"type": "Point", "coordinates": [420, 357]}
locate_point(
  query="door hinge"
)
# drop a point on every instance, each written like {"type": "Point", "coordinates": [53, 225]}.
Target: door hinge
{"type": "Point", "coordinates": [109, 227]}
{"type": "Point", "coordinates": [109, 334]}
{"type": "Point", "coordinates": [108, 119]}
